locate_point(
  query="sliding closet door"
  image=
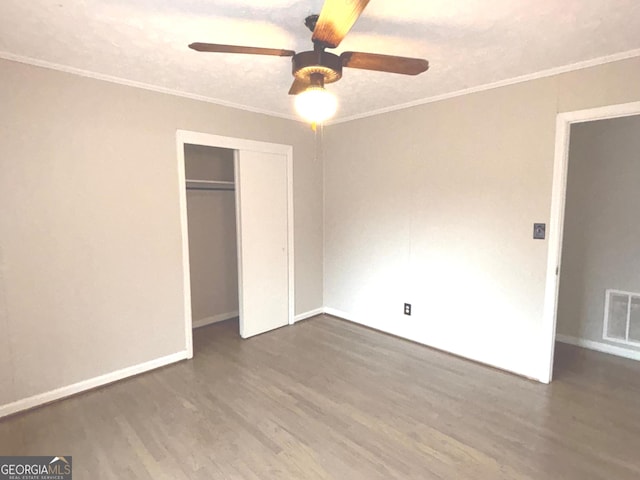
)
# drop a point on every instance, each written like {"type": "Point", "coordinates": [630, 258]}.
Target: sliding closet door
{"type": "Point", "coordinates": [261, 184]}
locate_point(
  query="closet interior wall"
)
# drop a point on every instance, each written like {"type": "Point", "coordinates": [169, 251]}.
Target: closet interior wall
{"type": "Point", "coordinates": [211, 218]}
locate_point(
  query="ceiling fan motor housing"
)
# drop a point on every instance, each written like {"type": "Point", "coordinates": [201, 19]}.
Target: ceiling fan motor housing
{"type": "Point", "coordinates": [313, 62]}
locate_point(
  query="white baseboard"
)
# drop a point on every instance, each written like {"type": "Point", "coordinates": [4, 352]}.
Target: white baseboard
{"type": "Point", "coordinates": [340, 314]}
{"type": "Point", "coordinates": [215, 318]}
{"type": "Point", "coordinates": [62, 392]}
{"type": "Point", "coordinates": [351, 318]}
{"type": "Point", "coordinates": [599, 346]}
{"type": "Point", "coordinates": [308, 314]}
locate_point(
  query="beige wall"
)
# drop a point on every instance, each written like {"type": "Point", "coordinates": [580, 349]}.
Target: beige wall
{"type": "Point", "coordinates": [434, 205]}
{"type": "Point", "coordinates": [213, 257]}
{"type": "Point", "coordinates": [90, 232]}
{"type": "Point", "coordinates": [601, 244]}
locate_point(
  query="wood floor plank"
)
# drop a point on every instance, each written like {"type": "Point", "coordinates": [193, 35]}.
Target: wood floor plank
{"type": "Point", "coordinates": [326, 399]}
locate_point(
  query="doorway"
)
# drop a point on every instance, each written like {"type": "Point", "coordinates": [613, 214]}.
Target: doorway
{"type": "Point", "coordinates": [263, 195]}
{"type": "Point", "coordinates": [557, 220]}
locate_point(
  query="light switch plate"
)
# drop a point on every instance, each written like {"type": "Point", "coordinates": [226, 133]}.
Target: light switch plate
{"type": "Point", "coordinates": [539, 230]}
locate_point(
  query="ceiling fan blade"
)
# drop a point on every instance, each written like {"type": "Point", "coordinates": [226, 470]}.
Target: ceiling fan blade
{"type": "Point", "coordinates": [298, 86]}
{"type": "Point", "coordinates": [384, 63]}
{"type": "Point", "coordinates": [214, 47]}
{"type": "Point", "coordinates": [336, 19]}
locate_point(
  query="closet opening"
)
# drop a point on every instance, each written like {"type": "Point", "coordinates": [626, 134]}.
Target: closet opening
{"type": "Point", "coordinates": [211, 220]}
{"type": "Point", "coordinates": [236, 221]}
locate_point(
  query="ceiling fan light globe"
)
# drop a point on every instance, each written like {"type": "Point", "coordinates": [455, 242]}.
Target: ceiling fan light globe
{"type": "Point", "coordinates": [316, 104]}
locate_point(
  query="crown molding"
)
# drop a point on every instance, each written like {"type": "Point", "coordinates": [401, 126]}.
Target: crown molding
{"type": "Point", "coordinates": [202, 98]}
{"type": "Point", "coordinates": [502, 83]}
{"type": "Point", "coordinates": [132, 83]}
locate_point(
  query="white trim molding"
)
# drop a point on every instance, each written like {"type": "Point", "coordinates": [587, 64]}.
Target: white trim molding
{"type": "Point", "coordinates": [221, 317]}
{"type": "Point", "coordinates": [334, 312]}
{"type": "Point", "coordinates": [436, 98]}
{"type": "Point", "coordinates": [490, 86]}
{"type": "Point", "coordinates": [342, 315]}
{"type": "Point", "coordinates": [556, 219]}
{"type": "Point", "coordinates": [89, 384]}
{"type": "Point", "coordinates": [308, 314]}
{"type": "Point", "coordinates": [144, 86]}
{"type": "Point", "coordinates": [599, 347]}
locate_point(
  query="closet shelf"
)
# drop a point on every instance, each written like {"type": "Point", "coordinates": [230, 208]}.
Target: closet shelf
{"type": "Point", "coordinates": [209, 185]}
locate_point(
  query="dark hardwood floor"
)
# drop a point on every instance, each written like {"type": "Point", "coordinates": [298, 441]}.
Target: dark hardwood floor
{"type": "Point", "coordinates": [327, 399]}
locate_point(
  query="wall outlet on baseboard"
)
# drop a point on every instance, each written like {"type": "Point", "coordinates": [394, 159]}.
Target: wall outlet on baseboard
{"type": "Point", "coordinates": [407, 309]}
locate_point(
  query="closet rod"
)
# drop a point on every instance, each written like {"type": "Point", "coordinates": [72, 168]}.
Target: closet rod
{"type": "Point", "coordinates": [206, 187]}
{"type": "Point", "coordinates": [209, 185]}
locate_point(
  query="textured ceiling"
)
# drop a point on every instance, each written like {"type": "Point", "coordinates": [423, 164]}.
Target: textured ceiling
{"type": "Point", "coordinates": [469, 43]}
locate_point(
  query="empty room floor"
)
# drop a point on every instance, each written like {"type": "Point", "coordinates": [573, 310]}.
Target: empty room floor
{"type": "Point", "coordinates": [327, 399]}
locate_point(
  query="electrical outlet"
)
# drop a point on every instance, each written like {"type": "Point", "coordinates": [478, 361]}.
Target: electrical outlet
{"type": "Point", "coordinates": [407, 309]}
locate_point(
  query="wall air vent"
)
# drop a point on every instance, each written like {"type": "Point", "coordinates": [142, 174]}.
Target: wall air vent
{"type": "Point", "coordinates": [622, 317]}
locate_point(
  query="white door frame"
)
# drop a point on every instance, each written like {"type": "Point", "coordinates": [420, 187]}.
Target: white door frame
{"type": "Point", "coordinates": [556, 224]}
{"type": "Point", "coordinates": [237, 144]}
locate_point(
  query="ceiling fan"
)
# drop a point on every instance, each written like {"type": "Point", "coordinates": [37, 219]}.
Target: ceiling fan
{"type": "Point", "coordinates": [315, 68]}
